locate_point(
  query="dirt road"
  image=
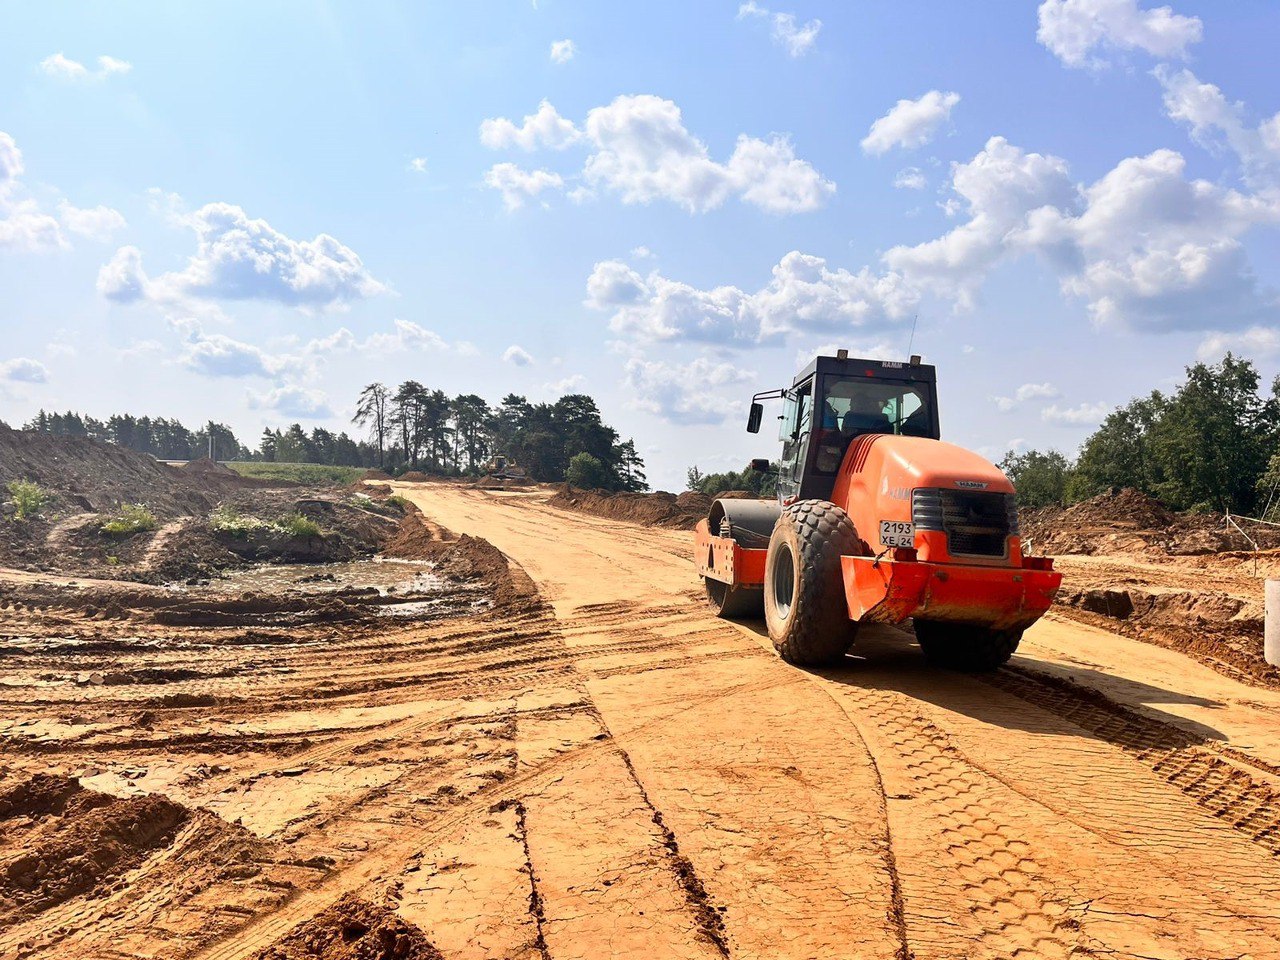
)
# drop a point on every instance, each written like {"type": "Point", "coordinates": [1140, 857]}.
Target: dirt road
{"type": "Point", "coordinates": [586, 764]}
{"type": "Point", "coordinates": [883, 808]}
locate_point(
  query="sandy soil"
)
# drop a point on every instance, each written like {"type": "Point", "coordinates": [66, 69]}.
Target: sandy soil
{"type": "Point", "coordinates": [586, 764]}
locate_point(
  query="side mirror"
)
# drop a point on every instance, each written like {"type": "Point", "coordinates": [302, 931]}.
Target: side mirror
{"type": "Point", "coordinates": [754, 418]}
{"type": "Point", "coordinates": [760, 465]}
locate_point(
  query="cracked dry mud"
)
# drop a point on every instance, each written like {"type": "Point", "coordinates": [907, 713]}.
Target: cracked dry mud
{"type": "Point", "coordinates": [596, 767]}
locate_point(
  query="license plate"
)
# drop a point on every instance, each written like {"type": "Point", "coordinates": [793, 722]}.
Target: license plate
{"type": "Point", "coordinates": [897, 533]}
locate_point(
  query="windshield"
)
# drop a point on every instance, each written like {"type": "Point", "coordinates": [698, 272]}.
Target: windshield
{"type": "Point", "coordinates": [854, 406]}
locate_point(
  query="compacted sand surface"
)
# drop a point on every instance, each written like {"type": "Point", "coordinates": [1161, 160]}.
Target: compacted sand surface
{"type": "Point", "coordinates": [562, 754]}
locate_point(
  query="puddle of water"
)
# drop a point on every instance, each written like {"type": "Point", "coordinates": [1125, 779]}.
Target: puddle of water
{"type": "Point", "coordinates": [389, 577]}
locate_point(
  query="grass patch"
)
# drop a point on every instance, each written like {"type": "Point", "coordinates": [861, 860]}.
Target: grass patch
{"type": "Point", "coordinates": [227, 521]}
{"type": "Point", "coordinates": [305, 473]}
{"type": "Point", "coordinates": [27, 499]}
{"type": "Point", "coordinates": [296, 525]}
{"type": "Point", "coordinates": [396, 500]}
{"type": "Point", "coordinates": [131, 518]}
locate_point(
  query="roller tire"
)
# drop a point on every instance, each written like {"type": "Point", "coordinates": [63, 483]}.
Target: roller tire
{"type": "Point", "coordinates": [958, 646]}
{"type": "Point", "coordinates": [812, 628]}
{"type": "Point", "coordinates": [732, 603]}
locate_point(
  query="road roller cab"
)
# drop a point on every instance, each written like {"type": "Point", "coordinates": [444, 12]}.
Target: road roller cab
{"type": "Point", "coordinates": [877, 520]}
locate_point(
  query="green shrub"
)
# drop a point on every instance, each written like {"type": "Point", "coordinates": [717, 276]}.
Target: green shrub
{"type": "Point", "coordinates": [131, 518]}
{"type": "Point", "coordinates": [296, 525]}
{"type": "Point", "coordinates": [226, 520]}
{"type": "Point", "coordinates": [395, 500]}
{"type": "Point", "coordinates": [27, 499]}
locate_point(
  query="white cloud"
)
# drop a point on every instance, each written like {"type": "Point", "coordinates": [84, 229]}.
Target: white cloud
{"type": "Point", "coordinates": [23, 370]}
{"type": "Point", "coordinates": [641, 253]}
{"type": "Point", "coordinates": [517, 355]}
{"type": "Point", "coordinates": [686, 393]}
{"type": "Point", "coordinates": [998, 187]}
{"type": "Point", "coordinates": [1028, 391]}
{"type": "Point", "coordinates": [418, 165]}
{"type": "Point", "coordinates": [570, 384]}
{"type": "Point", "coordinates": [217, 355]}
{"type": "Point", "coordinates": [1143, 246]}
{"type": "Point", "coordinates": [796, 39]}
{"type": "Point", "coordinates": [404, 336]}
{"type": "Point", "coordinates": [1214, 122]}
{"type": "Point", "coordinates": [1085, 414]}
{"type": "Point", "coordinates": [546, 128]}
{"type": "Point", "coordinates": [910, 123]}
{"type": "Point", "coordinates": [867, 349]}
{"type": "Point", "coordinates": [238, 258]}
{"type": "Point", "coordinates": [1253, 343]}
{"type": "Point", "coordinates": [804, 294]}
{"type": "Point", "coordinates": [910, 178]}
{"type": "Point", "coordinates": [1073, 29]}
{"type": "Point", "coordinates": [122, 278]}
{"type": "Point", "coordinates": [293, 401]}
{"type": "Point", "coordinates": [644, 153]}
{"type": "Point", "coordinates": [24, 227]}
{"type": "Point", "coordinates": [95, 223]}
{"type": "Point", "coordinates": [562, 51]}
{"type": "Point", "coordinates": [64, 68]}
{"type": "Point", "coordinates": [517, 185]}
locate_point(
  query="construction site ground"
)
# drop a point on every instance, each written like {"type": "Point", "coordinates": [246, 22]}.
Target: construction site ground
{"type": "Point", "coordinates": [552, 749]}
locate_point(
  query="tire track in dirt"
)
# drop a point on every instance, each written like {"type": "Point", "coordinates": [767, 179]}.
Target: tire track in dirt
{"type": "Point", "coordinates": [1004, 884]}
{"type": "Point", "coordinates": [1184, 761]}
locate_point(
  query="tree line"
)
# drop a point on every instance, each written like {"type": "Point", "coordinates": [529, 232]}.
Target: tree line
{"type": "Point", "coordinates": [424, 429]}
{"type": "Point", "coordinates": [1211, 445]}
{"type": "Point", "coordinates": [409, 428]}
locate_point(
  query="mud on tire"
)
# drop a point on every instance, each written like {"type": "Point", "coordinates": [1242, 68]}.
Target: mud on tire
{"type": "Point", "coordinates": [804, 602]}
{"type": "Point", "coordinates": [731, 602]}
{"type": "Point", "coordinates": [959, 646]}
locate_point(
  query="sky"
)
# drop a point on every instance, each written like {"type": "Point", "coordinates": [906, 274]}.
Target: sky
{"type": "Point", "coordinates": [246, 212]}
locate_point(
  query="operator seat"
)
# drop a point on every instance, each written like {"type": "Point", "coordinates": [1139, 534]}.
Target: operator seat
{"type": "Point", "coordinates": [857, 422]}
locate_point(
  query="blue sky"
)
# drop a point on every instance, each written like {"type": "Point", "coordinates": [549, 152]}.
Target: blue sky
{"type": "Point", "coordinates": [247, 212]}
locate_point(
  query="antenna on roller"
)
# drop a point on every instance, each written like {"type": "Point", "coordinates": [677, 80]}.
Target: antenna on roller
{"type": "Point", "coordinates": [911, 343]}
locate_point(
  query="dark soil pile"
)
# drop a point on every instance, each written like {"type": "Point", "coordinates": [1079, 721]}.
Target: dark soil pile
{"type": "Point", "coordinates": [206, 466]}
{"type": "Point", "coordinates": [353, 929]}
{"type": "Point", "coordinates": [416, 476]}
{"type": "Point", "coordinates": [375, 474]}
{"type": "Point", "coordinates": [658, 509]}
{"type": "Point", "coordinates": [1211, 627]}
{"type": "Point", "coordinates": [61, 841]}
{"type": "Point", "coordinates": [465, 559]}
{"type": "Point", "coordinates": [1129, 522]}
{"type": "Point", "coordinates": [86, 475]}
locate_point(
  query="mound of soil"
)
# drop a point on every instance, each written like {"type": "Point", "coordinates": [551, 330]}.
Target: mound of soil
{"type": "Point", "coordinates": [206, 466]}
{"type": "Point", "coordinates": [659, 509]}
{"type": "Point", "coordinates": [416, 476]}
{"type": "Point", "coordinates": [375, 474]}
{"type": "Point", "coordinates": [464, 559]}
{"type": "Point", "coordinates": [353, 929]}
{"type": "Point", "coordinates": [61, 841]}
{"type": "Point", "coordinates": [1129, 522]}
{"type": "Point", "coordinates": [1210, 626]}
{"type": "Point", "coordinates": [86, 475]}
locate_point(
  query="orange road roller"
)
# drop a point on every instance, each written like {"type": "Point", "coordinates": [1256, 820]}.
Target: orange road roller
{"type": "Point", "coordinates": [877, 520]}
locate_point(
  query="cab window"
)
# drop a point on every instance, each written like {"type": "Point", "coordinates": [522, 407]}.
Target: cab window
{"type": "Point", "coordinates": [852, 407]}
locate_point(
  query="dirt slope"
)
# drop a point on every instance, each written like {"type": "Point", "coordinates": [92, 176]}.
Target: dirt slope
{"type": "Point", "coordinates": [601, 769]}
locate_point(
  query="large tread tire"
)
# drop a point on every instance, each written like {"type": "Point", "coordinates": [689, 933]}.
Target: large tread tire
{"type": "Point", "coordinates": [731, 603]}
{"type": "Point", "coordinates": [959, 646]}
{"type": "Point", "coordinates": [811, 626]}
